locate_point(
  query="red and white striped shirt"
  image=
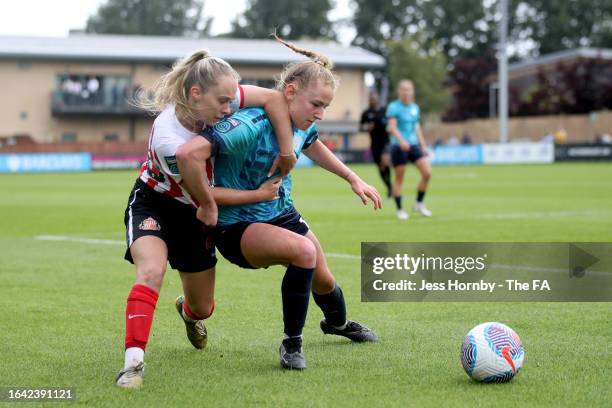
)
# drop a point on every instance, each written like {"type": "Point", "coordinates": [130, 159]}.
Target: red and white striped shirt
{"type": "Point", "coordinates": [160, 171]}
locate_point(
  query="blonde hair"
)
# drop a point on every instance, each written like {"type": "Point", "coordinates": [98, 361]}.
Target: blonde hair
{"type": "Point", "coordinates": [305, 72]}
{"type": "Point", "coordinates": [405, 81]}
{"type": "Point", "coordinates": [200, 68]}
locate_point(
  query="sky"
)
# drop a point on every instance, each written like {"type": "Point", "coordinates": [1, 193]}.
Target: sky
{"type": "Point", "coordinates": [56, 17]}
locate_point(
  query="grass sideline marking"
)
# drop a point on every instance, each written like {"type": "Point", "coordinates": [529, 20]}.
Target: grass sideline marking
{"type": "Point", "coordinates": [80, 240]}
{"type": "Point", "coordinates": [93, 241]}
{"type": "Point", "coordinates": [483, 217]}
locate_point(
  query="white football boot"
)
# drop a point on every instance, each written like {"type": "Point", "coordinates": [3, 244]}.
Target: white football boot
{"type": "Point", "coordinates": [420, 208]}
{"type": "Point", "coordinates": [401, 214]}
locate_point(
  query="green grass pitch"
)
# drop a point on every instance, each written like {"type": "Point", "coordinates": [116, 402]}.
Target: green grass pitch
{"type": "Point", "coordinates": [62, 303]}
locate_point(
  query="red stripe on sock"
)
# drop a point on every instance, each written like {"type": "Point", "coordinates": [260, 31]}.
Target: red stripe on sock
{"type": "Point", "coordinates": [193, 316]}
{"type": "Point", "coordinates": [139, 315]}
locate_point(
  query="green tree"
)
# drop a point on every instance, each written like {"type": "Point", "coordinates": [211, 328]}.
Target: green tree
{"type": "Point", "coordinates": [467, 79]}
{"type": "Point", "coordinates": [579, 86]}
{"type": "Point", "coordinates": [426, 69]}
{"type": "Point", "coordinates": [377, 23]}
{"type": "Point", "coordinates": [293, 19]}
{"type": "Point", "coordinates": [463, 28]}
{"type": "Point", "coordinates": [150, 17]}
{"type": "Point", "coordinates": [557, 25]}
{"type": "Point", "coordinates": [380, 21]}
{"type": "Point", "coordinates": [469, 28]}
{"type": "Point", "coordinates": [603, 38]}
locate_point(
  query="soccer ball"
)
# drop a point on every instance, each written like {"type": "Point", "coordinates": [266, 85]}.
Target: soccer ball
{"type": "Point", "coordinates": [492, 352]}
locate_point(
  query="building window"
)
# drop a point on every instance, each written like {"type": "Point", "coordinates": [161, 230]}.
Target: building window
{"type": "Point", "coordinates": [162, 67]}
{"type": "Point", "coordinates": [69, 137]}
{"type": "Point", "coordinates": [111, 137]}
{"type": "Point", "coordinates": [95, 90]}
{"type": "Point", "coordinates": [24, 65]}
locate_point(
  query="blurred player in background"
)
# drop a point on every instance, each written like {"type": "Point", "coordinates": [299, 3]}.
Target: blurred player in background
{"type": "Point", "coordinates": [374, 121]}
{"type": "Point", "coordinates": [407, 145]}
{"type": "Point", "coordinates": [272, 233]}
{"type": "Point", "coordinates": [166, 212]}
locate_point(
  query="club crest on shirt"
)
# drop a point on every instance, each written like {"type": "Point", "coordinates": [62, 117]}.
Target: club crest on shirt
{"type": "Point", "coordinates": [413, 111]}
{"type": "Point", "coordinates": [226, 125]}
{"type": "Point", "coordinates": [149, 224]}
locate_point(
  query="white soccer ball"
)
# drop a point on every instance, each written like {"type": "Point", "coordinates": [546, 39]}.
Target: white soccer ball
{"type": "Point", "coordinates": [492, 352]}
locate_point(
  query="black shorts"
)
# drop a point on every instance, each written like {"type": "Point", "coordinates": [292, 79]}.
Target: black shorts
{"type": "Point", "coordinates": [190, 247]}
{"type": "Point", "coordinates": [400, 157]}
{"type": "Point", "coordinates": [378, 150]}
{"type": "Point", "coordinates": [228, 238]}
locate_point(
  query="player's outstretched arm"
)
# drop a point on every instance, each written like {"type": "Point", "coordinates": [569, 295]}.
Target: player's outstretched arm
{"type": "Point", "coordinates": [276, 108]}
{"type": "Point", "coordinates": [268, 191]}
{"type": "Point", "coordinates": [326, 159]}
{"type": "Point", "coordinates": [190, 158]}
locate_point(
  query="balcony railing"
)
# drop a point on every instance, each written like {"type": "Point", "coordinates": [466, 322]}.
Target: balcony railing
{"type": "Point", "coordinates": [68, 104]}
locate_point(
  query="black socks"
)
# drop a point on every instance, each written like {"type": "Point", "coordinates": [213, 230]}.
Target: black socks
{"type": "Point", "coordinates": [333, 306]}
{"type": "Point", "coordinates": [295, 290]}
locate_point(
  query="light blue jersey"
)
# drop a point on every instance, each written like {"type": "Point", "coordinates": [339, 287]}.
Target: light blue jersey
{"type": "Point", "coordinates": [244, 148]}
{"type": "Point", "coordinates": [408, 117]}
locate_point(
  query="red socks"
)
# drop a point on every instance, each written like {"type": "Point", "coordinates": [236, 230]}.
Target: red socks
{"type": "Point", "coordinates": [139, 315]}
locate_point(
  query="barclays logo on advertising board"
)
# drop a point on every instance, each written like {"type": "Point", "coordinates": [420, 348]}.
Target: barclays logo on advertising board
{"type": "Point", "coordinates": [471, 154]}
{"type": "Point", "coordinates": [44, 162]}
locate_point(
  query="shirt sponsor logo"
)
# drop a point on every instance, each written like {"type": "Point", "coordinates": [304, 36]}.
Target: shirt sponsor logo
{"type": "Point", "coordinates": [172, 164]}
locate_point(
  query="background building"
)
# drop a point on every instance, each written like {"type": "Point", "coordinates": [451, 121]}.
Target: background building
{"type": "Point", "coordinates": [77, 88]}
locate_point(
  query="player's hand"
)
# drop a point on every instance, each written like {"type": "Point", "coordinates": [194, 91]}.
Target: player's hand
{"type": "Point", "coordinates": [207, 213]}
{"type": "Point", "coordinates": [365, 191]}
{"type": "Point", "coordinates": [269, 190]}
{"type": "Point", "coordinates": [425, 150]}
{"type": "Point", "coordinates": [285, 163]}
{"type": "Point", "coordinates": [404, 145]}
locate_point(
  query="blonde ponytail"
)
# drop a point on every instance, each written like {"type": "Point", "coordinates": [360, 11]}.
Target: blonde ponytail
{"type": "Point", "coordinates": [304, 73]}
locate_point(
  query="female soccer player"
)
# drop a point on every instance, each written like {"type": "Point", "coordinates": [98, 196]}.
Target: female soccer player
{"type": "Point", "coordinates": [407, 145]}
{"type": "Point", "coordinates": [166, 213]}
{"type": "Point", "coordinates": [271, 233]}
